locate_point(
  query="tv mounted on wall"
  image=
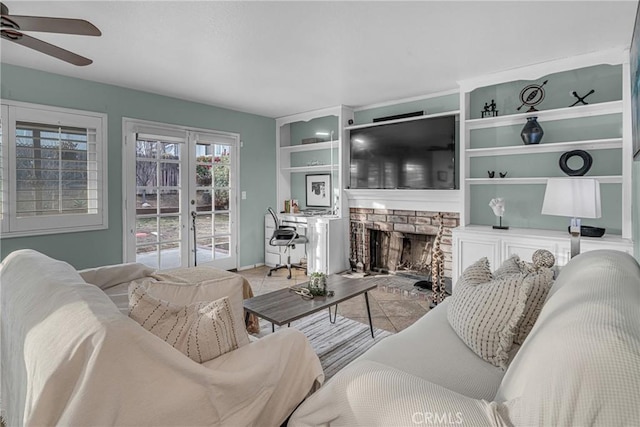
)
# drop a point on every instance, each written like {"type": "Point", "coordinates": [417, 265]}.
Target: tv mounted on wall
{"type": "Point", "coordinates": [411, 154]}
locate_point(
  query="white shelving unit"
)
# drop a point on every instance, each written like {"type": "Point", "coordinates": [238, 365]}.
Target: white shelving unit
{"type": "Point", "coordinates": [337, 149]}
{"type": "Point", "coordinates": [590, 110]}
{"type": "Point", "coordinates": [470, 183]}
{"type": "Point", "coordinates": [593, 144]}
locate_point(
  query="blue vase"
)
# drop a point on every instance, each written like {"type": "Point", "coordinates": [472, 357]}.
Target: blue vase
{"type": "Point", "coordinates": [532, 132]}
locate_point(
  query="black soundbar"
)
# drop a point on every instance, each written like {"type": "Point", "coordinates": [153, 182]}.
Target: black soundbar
{"type": "Point", "coordinates": [399, 116]}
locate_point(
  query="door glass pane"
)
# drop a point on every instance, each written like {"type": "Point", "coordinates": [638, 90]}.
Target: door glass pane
{"type": "Point", "coordinates": [221, 225]}
{"type": "Point", "coordinates": [203, 200]}
{"type": "Point", "coordinates": [169, 151]}
{"type": "Point", "coordinates": [146, 230]}
{"type": "Point", "coordinates": [169, 201]}
{"type": "Point", "coordinates": [221, 247]}
{"type": "Point", "coordinates": [205, 250]}
{"type": "Point", "coordinates": [169, 228]}
{"type": "Point", "coordinates": [145, 149]}
{"type": "Point", "coordinates": [170, 256]}
{"type": "Point", "coordinates": [221, 176]}
{"type": "Point", "coordinates": [221, 202]}
{"type": "Point", "coordinates": [169, 175]}
{"type": "Point", "coordinates": [222, 154]}
{"type": "Point", "coordinates": [204, 160]}
{"type": "Point", "coordinates": [203, 226]}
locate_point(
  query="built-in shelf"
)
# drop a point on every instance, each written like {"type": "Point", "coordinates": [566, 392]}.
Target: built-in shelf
{"type": "Point", "coordinates": [317, 168]}
{"type": "Point", "coordinates": [592, 144]}
{"type": "Point", "coordinates": [408, 119]}
{"type": "Point", "coordinates": [310, 147]}
{"type": "Point", "coordinates": [611, 179]}
{"type": "Point", "coordinates": [547, 115]}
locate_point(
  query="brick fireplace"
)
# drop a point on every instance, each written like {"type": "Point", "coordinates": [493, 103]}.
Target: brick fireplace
{"type": "Point", "coordinates": [396, 240]}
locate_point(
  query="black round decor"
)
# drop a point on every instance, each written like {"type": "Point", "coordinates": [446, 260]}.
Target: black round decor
{"type": "Point", "coordinates": [586, 158]}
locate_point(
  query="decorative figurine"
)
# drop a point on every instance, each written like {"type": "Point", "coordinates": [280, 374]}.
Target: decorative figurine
{"type": "Point", "coordinates": [502, 175]}
{"type": "Point", "coordinates": [532, 131]}
{"type": "Point", "coordinates": [532, 95]}
{"type": "Point", "coordinates": [580, 98]}
{"type": "Point", "coordinates": [497, 205]}
{"type": "Point", "coordinates": [491, 174]}
{"type": "Point", "coordinates": [489, 110]}
{"type": "Point", "coordinates": [437, 266]}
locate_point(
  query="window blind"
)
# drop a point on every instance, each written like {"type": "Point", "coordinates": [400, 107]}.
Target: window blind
{"type": "Point", "coordinates": [56, 170]}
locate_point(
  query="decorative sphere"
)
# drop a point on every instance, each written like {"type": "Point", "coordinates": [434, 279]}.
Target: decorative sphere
{"type": "Point", "coordinates": [543, 258]}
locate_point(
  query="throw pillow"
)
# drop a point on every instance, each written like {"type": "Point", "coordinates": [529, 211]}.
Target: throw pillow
{"type": "Point", "coordinates": [185, 293]}
{"type": "Point", "coordinates": [108, 276]}
{"type": "Point", "coordinates": [540, 276]}
{"type": "Point", "coordinates": [485, 311]}
{"type": "Point", "coordinates": [202, 330]}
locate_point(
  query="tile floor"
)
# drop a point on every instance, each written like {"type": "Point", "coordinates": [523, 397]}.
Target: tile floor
{"type": "Point", "coordinates": [395, 304]}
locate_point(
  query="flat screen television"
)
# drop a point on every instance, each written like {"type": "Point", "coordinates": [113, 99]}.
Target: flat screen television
{"type": "Point", "coordinates": [413, 154]}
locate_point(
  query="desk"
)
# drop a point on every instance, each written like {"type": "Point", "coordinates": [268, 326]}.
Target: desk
{"type": "Point", "coordinates": [327, 250]}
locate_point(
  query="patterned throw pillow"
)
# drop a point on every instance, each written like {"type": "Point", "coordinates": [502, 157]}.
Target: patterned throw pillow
{"type": "Point", "coordinates": [541, 278]}
{"type": "Point", "coordinates": [202, 330]}
{"type": "Point", "coordinates": [485, 311]}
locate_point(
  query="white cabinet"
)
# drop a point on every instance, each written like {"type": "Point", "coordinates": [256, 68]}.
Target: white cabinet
{"type": "Point", "coordinates": [326, 252]}
{"type": "Point", "coordinates": [473, 242]}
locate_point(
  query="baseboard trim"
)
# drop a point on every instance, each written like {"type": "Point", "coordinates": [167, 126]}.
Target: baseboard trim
{"type": "Point", "coordinates": [249, 267]}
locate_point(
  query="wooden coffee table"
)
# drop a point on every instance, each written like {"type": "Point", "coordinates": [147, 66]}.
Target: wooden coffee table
{"type": "Point", "coordinates": [284, 306]}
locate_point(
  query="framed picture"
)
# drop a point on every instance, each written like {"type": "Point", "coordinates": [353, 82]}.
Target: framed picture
{"type": "Point", "coordinates": [634, 62]}
{"type": "Point", "coordinates": [319, 190]}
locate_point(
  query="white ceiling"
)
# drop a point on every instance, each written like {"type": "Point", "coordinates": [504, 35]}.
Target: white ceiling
{"type": "Point", "coordinates": [281, 58]}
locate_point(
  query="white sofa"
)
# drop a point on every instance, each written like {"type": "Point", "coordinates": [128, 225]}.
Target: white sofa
{"type": "Point", "coordinates": [70, 357]}
{"type": "Point", "coordinates": [580, 365]}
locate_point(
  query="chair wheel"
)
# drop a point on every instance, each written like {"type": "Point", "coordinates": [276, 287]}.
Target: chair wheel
{"type": "Point", "coordinates": [289, 277]}
{"type": "Point", "coordinates": [269, 274]}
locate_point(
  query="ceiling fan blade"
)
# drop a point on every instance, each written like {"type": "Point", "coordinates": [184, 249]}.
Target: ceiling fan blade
{"type": "Point", "coordinates": [54, 25]}
{"type": "Point", "coordinates": [44, 47]}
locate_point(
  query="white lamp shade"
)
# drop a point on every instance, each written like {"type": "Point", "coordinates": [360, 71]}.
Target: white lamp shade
{"type": "Point", "coordinates": [572, 197]}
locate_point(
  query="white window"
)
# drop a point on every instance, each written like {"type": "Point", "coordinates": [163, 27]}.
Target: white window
{"type": "Point", "coordinates": [53, 170]}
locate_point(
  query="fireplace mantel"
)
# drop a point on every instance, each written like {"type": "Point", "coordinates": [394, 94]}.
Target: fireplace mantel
{"type": "Point", "coordinates": [420, 200]}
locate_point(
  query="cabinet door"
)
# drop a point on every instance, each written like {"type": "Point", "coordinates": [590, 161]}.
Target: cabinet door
{"type": "Point", "coordinates": [317, 247]}
{"type": "Point", "coordinates": [525, 248]}
{"type": "Point", "coordinates": [300, 251]}
{"type": "Point", "coordinates": [469, 249]}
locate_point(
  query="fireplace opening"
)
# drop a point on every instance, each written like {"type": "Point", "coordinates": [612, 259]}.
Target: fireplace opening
{"type": "Point", "coordinates": [393, 251]}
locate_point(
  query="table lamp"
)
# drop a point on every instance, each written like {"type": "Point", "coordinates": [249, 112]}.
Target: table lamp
{"type": "Point", "coordinates": [574, 198]}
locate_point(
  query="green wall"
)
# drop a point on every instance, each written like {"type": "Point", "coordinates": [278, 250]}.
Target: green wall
{"type": "Point", "coordinates": [636, 208]}
{"type": "Point", "coordinates": [87, 249]}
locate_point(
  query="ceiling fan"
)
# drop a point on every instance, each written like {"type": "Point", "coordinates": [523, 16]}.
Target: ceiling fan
{"type": "Point", "coordinates": [13, 25]}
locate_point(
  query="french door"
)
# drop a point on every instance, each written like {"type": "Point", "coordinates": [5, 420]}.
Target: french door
{"type": "Point", "coordinates": [180, 207]}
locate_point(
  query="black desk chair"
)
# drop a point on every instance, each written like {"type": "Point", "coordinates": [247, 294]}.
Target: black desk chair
{"type": "Point", "coordinates": [285, 236]}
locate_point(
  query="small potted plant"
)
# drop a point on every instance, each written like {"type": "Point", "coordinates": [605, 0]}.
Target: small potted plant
{"type": "Point", "coordinates": [318, 284]}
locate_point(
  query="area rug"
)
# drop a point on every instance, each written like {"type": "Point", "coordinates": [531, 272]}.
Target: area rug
{"type": "Point", "coordinates": [335, 344]}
